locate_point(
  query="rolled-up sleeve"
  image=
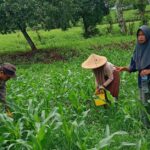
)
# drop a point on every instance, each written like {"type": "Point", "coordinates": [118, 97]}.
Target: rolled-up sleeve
{"type": "Point", "coordinates": [108, 69]}
{"type": "Point", "coordinates": [132, 67]}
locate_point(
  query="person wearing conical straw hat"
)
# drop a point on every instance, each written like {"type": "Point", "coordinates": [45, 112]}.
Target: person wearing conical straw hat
{"type": "Point", "coordinates": [105, 73]}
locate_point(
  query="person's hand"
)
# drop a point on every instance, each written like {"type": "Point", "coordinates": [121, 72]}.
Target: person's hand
{"type": "Point", "coordinates": [9, 113]}
{"type": "Point", "coordinates": [121, 69]}
{"type": "Point", "coordinates": [101, 87]}
{"type": "Point", "coordinates": [97, 91]}
{"type": "Point", "coordinates": [145, 72]}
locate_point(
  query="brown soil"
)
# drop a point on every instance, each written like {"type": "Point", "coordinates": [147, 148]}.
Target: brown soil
{"type": "Point", "coordinates": [114, 46]}
{"type": "Point", "coordinates": [38, 56]}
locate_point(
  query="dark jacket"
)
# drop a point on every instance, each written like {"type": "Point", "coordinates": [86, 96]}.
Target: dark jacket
{"type": "Point", "coordinates": [2, 91]}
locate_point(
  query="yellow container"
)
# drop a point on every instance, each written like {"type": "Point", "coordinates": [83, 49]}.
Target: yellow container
{"type": "Point", "coordinates": [99, 102]}
{"type": "Point", "coordinates": [101, 96]}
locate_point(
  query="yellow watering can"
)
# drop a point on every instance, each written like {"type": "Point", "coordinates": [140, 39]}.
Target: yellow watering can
{"type": "Point", "coordinates": [102, 99]}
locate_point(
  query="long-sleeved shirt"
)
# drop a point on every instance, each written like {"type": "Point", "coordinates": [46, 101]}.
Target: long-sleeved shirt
{"type": "Point", "coordinates": [108, 73]}
{"type": "Point", "coordinates": [2, 91]}
{"type": "Point", "coordinates": [132, 68]}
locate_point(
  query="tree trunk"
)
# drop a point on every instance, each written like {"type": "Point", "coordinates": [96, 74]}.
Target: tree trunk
{"type": "Point", "coordinates": [86, 33]}
{"type": "Point", "coordinates": [142, 8]}
{"type": "Point", "coordinates": [106, 4]}
{"type": "Point", "coordinates": [89, 30]}
{"type": "Point", "coordinates": [27, 37]}
{"type": "Point", "coordinates": [121, 21]}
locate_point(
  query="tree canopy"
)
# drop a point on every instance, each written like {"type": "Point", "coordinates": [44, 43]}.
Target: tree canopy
{"type": "Point", "coordinates": [50, 14]}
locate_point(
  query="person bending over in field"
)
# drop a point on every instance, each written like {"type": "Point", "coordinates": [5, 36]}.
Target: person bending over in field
{"type": "Point", "coordinates": [105, 74]}
{"type": "Point", "coordinates": [140, 62]}
{"type": "Point", "coordinates": [7, 71]}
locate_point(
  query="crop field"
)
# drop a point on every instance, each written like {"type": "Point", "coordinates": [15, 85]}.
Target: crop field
{"type": "Point", "coordinates": [53, 108]}
{"type": "Point", "coordinates": [52, 98]}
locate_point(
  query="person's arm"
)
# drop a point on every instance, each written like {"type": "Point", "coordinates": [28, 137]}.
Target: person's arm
{"type": "Point", "coordinates": [121, 69]}
{"type": "Point", "coordinates": [108, 81]}
{"type": "Point", "coordinates": [131, 68]}
{"type": "Point", "coordinates": [108, 69]}
{"type": "Point", "coordinates": [3, 98]}
{"type": "Point", "coordinates": [3, 93]}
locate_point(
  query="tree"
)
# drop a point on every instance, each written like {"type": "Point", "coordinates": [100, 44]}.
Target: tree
{"type": "Point", "coordinates": [121, 20]}
{"type": "Point", "coordinates": [18, 15]}
{"type": "Point", "coordinates": [120, 5]}
{"type": "Point", "coordinates": [125, 3]}
{"type": "Point", "coordinates": [65, 13]}
{"type": "Point", "coordinates": [57, 14]}
{"type": "Point", "coordinates": [141, 6]}
{"type": "Point", "coordinates": [91, 12]}
{"type": "Point", "coordinates": [112, 3]}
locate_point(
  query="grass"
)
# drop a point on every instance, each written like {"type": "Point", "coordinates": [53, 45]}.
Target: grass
{"type": "Point", "coordinates": [71, 39]}
{"type": "Point", "coordinates": [68, 40]}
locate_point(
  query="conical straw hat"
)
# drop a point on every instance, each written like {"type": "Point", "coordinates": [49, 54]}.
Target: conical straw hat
{"type": "Point", "coordinates": [94, 61]}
